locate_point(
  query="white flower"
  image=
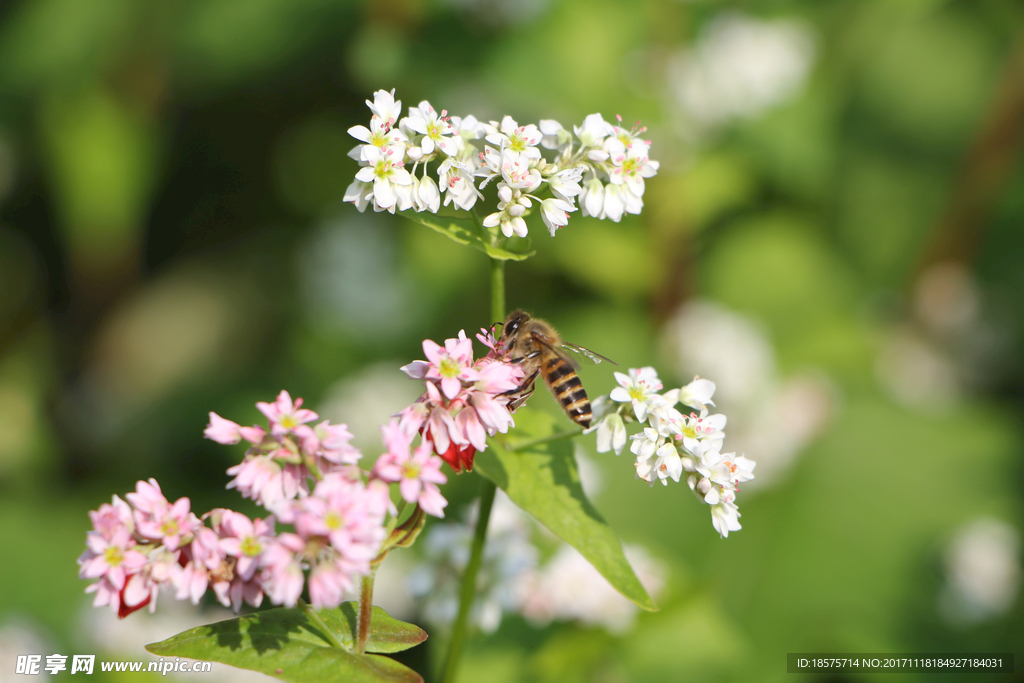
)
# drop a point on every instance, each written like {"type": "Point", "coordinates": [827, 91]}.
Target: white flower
{"type": "Point", "coordinates": [569, 588]}
{"type": "Point", "coordinates": [468, 128]}
{"type": "Point", "coordinates": [611, 434]}
{"type": "Point", "coordinates": [668, 464]}
{"type": "Point", "coordinates": [511, 136]}
{"type": "Point", "coordinates": [428, 197]}
{"type": "Point", "coordinates": [614, 205]}
{"type": "Point", "coordinates": [646, 443]}
{"type": "Point", "coordinates": [592, 198]}
{"type": "Point", "coordinates": [639, 387]}
{"type": "Point", "coordinates": [631, 168]}
{"type": "Point", "coordinates": [697, 393]}
{"type": "Point", "coordinates": [740, 67]}
{"type": "Point", "coordinates": [435, 129]}
{"type": "Point", "coordinates": [378, 135]}
{"type": "Point", "coordinates": [703, 427]}
{"type": "Point", "coordinates": [592, 134]}
{"type": "Point", "coordinates": [360, 194]}
{"type": "Point", "coordinates": [725, 469]}
{"type": "Point", "coordinates": [517, 173]}
{"type": "Point", "coordinates": [983, 572]}
{"type": "Point", "coordinates": [510, 218]}
{"type": "Point", "coordinates": [725, 515]}
{"type": "Point", "coordinates": [632, 203]}
{"type": "Point", "coordinates": [565, 184]}
{"type": "Point", "coordinates": [407, 194]}
{"type": "Point", "coordinates": [555, 213]}
{"type": "Point", "coordinates": [554, 135]}
{"type": "Point", "coordinates": [385, 106]}
{"type": "Point", "coordinates": [385, 174]}
{"type": "Point", "coordinates": [456, 179]}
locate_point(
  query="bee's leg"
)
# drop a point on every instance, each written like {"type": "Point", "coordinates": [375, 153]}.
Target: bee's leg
{"type": "Point", "coordinates": [516, 403]}
{"type": "Point", "coordinates": [529, 356]}
{"type": "Point", "coordinates": [521, 393]}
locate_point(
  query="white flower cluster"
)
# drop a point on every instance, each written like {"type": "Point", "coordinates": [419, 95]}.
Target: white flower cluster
{"type": "Point", "coordinates": [602, 164]}
{"type": "Point", "coordinates": [672, 443]}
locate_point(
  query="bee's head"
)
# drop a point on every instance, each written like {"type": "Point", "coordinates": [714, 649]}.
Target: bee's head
{"type": "Point", "coordinates": [513, 323]}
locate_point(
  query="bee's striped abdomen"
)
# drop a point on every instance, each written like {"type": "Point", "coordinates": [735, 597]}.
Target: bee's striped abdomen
{"type": "Point", "coordinates": [568, 389]}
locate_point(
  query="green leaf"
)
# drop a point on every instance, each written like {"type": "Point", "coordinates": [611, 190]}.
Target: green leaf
{"type": "Point", "coordinates": [543, 480]}
{"type": "Point", "coordinates": [466, 231]}
{"type": "Point", "coordinates": [387, 634]}
{"type": "Point", "coordinates": [287, 644]}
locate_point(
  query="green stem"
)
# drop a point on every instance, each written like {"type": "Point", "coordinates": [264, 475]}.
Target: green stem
{"type": "Point", "coordinates": [365, 612]}
{"type": "Point", "coordinates": [468, 590]}
{"type": "Point", "coordinates": [328, 633]}
{"type": "Point", "coordinates": [467, 593]}
{"type": "Point", "coordinates": [497, 290]}
{"type": "Point", "coordinates": [546, 439]}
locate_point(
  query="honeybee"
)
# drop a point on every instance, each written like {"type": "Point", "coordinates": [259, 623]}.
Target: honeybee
{"type": "Point", "coordinates": [540, 349]}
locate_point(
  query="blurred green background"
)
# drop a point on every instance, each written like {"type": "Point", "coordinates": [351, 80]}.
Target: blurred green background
{"type": "Point", "coordinates": [835, 237]}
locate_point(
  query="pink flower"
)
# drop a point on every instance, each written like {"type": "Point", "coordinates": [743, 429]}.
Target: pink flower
{"type": "Point", "coordinates": [148, 498]}
{"type": "Point", "coordinates": [497, 377]}
{"type": "Point", "coordinates": [259, 477]}
{"type": "Point", "coordinates": [112, 517]}
{"type": "Point", "coordinates": [282, 576]}
{"type": "Point", "coordinates": [328, 582]}
{"type": "Point", "coordinates": [204, 555]}
{"type": "Point", "coordinates": [330, 442]}
{"type": "Point", "coordinates": [232, 593]}
{"type": "Point", "coordinates": [417, 473]}
{"type": "Point", "coordinates": [244, 540]}
{"type": "Point", "coordinates": [138, 592]}
{"type": "Point", "coordinates": [440, 422]}
{"type": "Point", "coordinates": [343, 511]}
{"type": "Point", "coordinates": [457, 419]}
{"type": "Point", "coordinates": [157, 519]}
{"type": "Point", "coordinates": [110, 559]}
{"type": "Point", "coordinates": [451, 366]}
{"type": "Point", "coordinates": [228, 432]}
{"type": "Point", "coordinates": [284, 415]}
{"type": "Point", "coordinates": [162, 569]}
{"type": "Point", "coordinates": [469, 424]}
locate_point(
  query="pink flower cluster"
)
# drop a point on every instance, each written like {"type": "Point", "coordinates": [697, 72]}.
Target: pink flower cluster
{"type": "Point", "coordinates": [339, 530]}
{"type": "Point", "coordinates": [279, 465]}
{"type": "Point", "coordinates": [138, 547]}
{"type": "Point", "coordinates": [465, 400]}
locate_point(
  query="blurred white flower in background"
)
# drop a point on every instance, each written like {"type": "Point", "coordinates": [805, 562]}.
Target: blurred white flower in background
{"type": "Point", "coordinates": [366, 400]}
{"type": "Point", "coordinates": [944, 348]}
{"type": "Point", "coordinates": [20, 637]}
{"type": "Point", "coordinates": [507, 556]}
{"type": "Point", "coordinates": [739, 67]}
{"type": "Point", "coordinates": [169, 333]}
{"type": "Point", "coordinates": [772, 417]}
{"type": "Point", "coordinates": [102, 633]}
{"type": "Point", "coordinates": [351, 280]}
{"type": "Point", "coordinates": [916, 373]}
{"type": "Point", "coordinates": [591, 477]}
{"type": "Point", "coordinates": [983, 572]}
{"type": "Point", "coordinates": [568, 588]}
{"type": "Point", "coordinates": [512, 580]}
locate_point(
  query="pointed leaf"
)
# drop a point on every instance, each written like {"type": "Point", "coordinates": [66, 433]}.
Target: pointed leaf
{"type": "Point", "coordinates": [544, 481]}
{"type": "Point", "coordinates": [387, 634]}
{"type": "Point", "coordinates": [287, 644]}
{"type": "Point", "coordinates": [466, 231]}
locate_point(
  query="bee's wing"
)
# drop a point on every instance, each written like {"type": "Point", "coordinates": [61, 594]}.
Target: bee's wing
{"type": "Point", "coordinates": [558, 350]}
{"type": "Point", "coordinates": [590, 355]}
